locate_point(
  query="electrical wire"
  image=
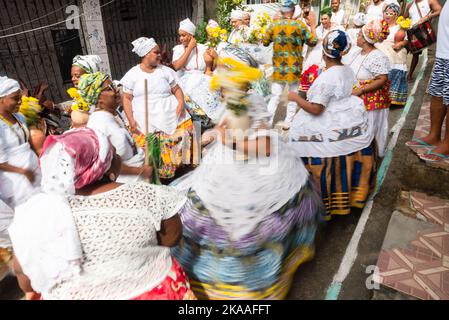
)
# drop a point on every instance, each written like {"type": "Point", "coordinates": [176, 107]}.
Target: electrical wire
{"type": "Point", "coordinates": [51, 25]}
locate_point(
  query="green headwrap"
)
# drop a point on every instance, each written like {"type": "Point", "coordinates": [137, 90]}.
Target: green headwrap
{"type": "Point", "coordinates": [326, 11]}
{"type": "Point", "coordinates": [90, 86]}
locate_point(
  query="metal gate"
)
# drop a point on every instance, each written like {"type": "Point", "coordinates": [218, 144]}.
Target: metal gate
{"type": "Point", "coordinates": [126, 20]}
{"type": "Point", "coordinates": [35, 44]}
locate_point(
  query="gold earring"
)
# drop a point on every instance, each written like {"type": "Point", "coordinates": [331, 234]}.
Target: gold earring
{"type": "Point", "coordinates": [112, 177]}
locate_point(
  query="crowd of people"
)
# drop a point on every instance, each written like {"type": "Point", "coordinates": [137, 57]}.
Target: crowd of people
{"type": "Point", "coordinates": [106, 211]}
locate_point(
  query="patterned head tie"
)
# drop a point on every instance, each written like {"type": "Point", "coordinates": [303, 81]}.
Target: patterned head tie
{"type": "Point", "coordinates": [375, 31]}
{"type": "Point", "coordinates": [336, 44]}
{"type": "Point", "coordinates": [90, 86]}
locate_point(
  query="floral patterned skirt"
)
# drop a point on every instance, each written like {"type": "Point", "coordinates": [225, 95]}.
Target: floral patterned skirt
{"type": "Point", "coordinates": [175, 149]}
{"type": "Point", "coordinates": [176, 286]}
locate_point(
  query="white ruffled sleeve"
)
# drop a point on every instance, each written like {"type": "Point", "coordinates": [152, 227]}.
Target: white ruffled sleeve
{"type": "Point", "coordinates": [377, 63]}
{"type": "Point", "coordinates": [163, 203]}
{"type": "Point", "coordinates": [129, 81]}
{"type": "Point", "coordinates": [171, 76]}
{"type": "Point", "coordinates": [178, 51]}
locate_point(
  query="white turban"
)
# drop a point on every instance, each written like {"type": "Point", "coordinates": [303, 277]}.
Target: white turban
{"type": "Point", "coordinates": [359, 19]}
{"type": "Point", "coordinates": [143, 46]}
{"type": "Point", "coordinates": [90, 64]}
{"type": "Point", "coordinates": [237, 15]}
{"type": "Point", "coordinates": [8, 86]}
{"type": "Point", "coordinates": [187, 26]}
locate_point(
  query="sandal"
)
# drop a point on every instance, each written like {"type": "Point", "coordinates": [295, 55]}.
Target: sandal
{"type": "Point", "coordinates": [433, 157]}
{"type": "Point", "coordinates": [419, 143]}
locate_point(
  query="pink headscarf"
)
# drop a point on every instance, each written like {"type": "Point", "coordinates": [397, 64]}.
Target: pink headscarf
{"type": "Point", "coordinates": [375, 31]}
{"type": "Point", "coordinates": [92, 157]}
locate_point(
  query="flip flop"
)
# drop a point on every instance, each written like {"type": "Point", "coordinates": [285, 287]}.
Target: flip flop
{"type": "Point", "coordinates": [419, 143]}
{"type": "Point", "coordinates": [433, 157]}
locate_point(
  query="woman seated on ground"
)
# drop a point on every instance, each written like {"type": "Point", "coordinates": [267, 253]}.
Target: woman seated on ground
{"type": "Point", "coordinates": [168, 121]}
{"type": "Point", "coordinates": [195, 63]}
{"type": "Point", "coordinates": [333, 134]}
{"type": "Point", "coordinates": [97, 89]}
{"type": "Point", "coordinates": [88, 237]}
{"type": "Point", "coordinates": [245, 200]}
{"type": "Point", "coordinates": [371, 67]}
{"type": "Point", "coordinates": [19, 168]}
{"type": "Point", "coordinates": [82, 65]}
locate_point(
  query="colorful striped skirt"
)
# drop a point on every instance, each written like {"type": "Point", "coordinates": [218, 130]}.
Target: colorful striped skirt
{"type": "Point", "coordinates": [345, 181]}
{"type": "Point", "coordinates": [398, 87]}
{"type": "Point", "coordinates": [262, 264]}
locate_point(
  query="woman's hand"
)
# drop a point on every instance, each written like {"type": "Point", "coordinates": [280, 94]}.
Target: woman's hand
{"type": "Point", "coordinates": [397, 46]}
{"type": "Point", "coordinates": [180, 110]}
{"type": "Point", "coordinates": [311, 19]}
{"type": "Point", "coordinates": [29, 175]}
{"type": "Point", "coordinates": [133, 127]}
{"type": "Point", "coordinates": [357, 92]}
{"type": "Point", "coordinates": [212, 53]}
{"type": "Point", "coordinates": [192, 43]}
{"type": "Point", "coordinates": [147, 172]}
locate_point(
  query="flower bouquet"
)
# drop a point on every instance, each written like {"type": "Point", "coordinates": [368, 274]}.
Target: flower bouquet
{"type": "Point", "coordinates": [215, 35]}
{"type": "Point", "coordinates": [80, 108]}
{"type": "Point", "coordinates": [30, 108]}
{"type": "Point", "coordinates": [404, 25]}
{"type": "Point", "coordinates": [260, 27]}
{"type": "Point", "coordinates": [234, 79]}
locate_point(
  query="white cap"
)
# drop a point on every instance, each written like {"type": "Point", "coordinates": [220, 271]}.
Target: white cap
{"type": "Point", "coordinates": [359, 19]}
{"type": "Point", "coordinates": [143, 46]}
{"type": "Point", "coordinates": [187, 26]}
{"type": "Point", "coordinates": [8, 86]}
{"type": "Point", "coordinates": [237, 15]}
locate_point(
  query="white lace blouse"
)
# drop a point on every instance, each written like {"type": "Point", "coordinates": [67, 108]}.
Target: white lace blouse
{"type": "Point", "coordinates": [118, 234]}
{"type": "Point", "coordinates": [367, 67]}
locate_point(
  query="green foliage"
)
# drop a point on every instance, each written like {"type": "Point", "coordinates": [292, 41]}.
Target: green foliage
{"type": "Point", "coordinates": [224, 8]}
{"type": "Point", "coordinates": [201, 33]}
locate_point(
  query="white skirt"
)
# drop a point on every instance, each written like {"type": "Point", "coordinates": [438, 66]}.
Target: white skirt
{"type": "Point", "coordinates": [379, 120]}
{"type": "Point", "coordinates": [15, 188]}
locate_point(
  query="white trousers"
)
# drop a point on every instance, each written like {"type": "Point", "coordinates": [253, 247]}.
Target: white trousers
{"type": "Point", "coordinates": [379, 120]}
{"type": "Point", "coordinates": [277, 89]}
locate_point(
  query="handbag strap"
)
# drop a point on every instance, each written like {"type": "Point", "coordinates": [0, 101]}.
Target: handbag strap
{"type": "Point", "coordinates": [419, 10]}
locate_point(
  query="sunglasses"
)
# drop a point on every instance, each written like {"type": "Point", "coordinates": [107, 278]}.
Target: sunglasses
{"type": "Point", "coordinates": [110, 87]}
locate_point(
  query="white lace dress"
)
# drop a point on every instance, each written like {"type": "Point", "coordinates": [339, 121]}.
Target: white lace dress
{"type": "Point", "coordinates": [342, 128]}
{"type": "Point", "coordinates": [118, 233]}
{"type": "Point", "coordinates": [367, 67]}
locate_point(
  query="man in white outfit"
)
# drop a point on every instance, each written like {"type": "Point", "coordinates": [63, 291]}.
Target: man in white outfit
{"type": "Point", "coordinates": [338, 14]}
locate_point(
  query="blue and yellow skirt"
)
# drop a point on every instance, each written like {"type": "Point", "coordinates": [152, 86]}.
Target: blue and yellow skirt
{"type": "Point", "coordinates": [398, 87]}
{"type": "Point", "coordinates": [345, 181]}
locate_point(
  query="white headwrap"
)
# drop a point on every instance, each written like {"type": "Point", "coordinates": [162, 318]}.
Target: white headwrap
{"type": "Point", "coordinates": [187, 26]}
{"type": "Point", "coordinates": [90, 63]}
{"type": "Point", "coordinates": [44, 234]}
{"type": "Point", "coordinates": [8, 86]}
{"type": "Point", "coordinates": [237, 15]}
{"type": "Point", "coordinates": [359, 19]}
{"type": "Point", "coordinates": [143, 46]}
